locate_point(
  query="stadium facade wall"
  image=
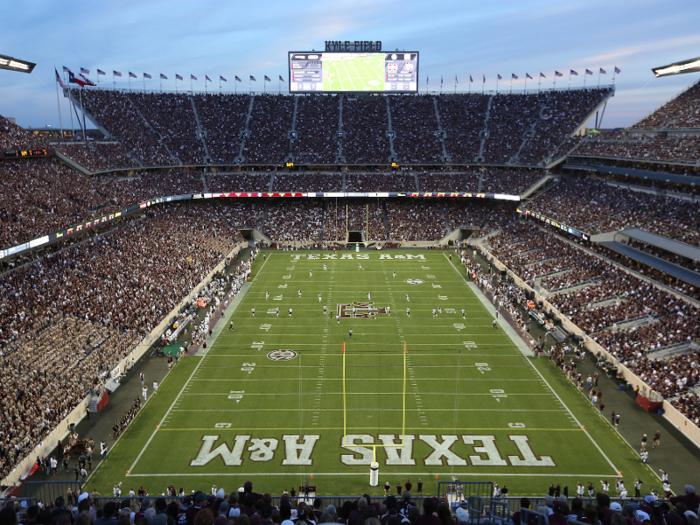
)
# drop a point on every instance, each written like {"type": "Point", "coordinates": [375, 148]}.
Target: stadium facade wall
{"type": "Point", "coordinates": [79, 412]}
{"type": "Point", "coordinates": [670, 413]}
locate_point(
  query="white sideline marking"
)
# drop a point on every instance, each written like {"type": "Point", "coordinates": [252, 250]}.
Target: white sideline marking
{"type": "Point", "coordinates": [166, 415]}
{"type": "Point", "coordinates": [553, 392]}
{"type": "Point", "coordinates": [185, 386]}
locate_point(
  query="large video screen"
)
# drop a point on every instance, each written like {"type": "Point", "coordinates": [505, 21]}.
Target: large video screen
{"type": "Point", "coordinates": [311, 72]}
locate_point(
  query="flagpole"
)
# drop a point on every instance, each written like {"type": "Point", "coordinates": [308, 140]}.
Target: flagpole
{"type": "Point", "coordinates": [469, 89]}
{"type": "Point", "coordinates": [70, 110]}
{"type": "Point", "coordinates": [584, 79]}
{"type": "Point", "coordinates": [455, 84]}
{"type": "Point", "coordinates": [129, 82]}
{"type": "Point", "coordinates": [483, 84]}
{"type": "Point", "coordinates": [114, 82]}
{"type": "Point", "coordinates": [161, 83]}
{"type": "Point", "coordinates": [58, 103]}
{"type": "Point", "coordinates": [191, 83]}
{"type": "Point", "coordinates": [569, 79]}
{"type": "Point", "coordinates": [539, 83]}
{"type": "Point", "coordinates": [598, 77]}
{"type": "Point", "coordinates": [98, 81]}
{"type": "Point", "coordinates": [511, 84]}
{"type": "Point", "coordinates": [144, 84]}
{"type": "Point", "coordinates": [614, 73]}
{"type": "Point", "coordinates": [525, 82]}
{"type": "Point", "coordinates": [83, 112]}
{"type": "Point", "coordinates": [496, 85]}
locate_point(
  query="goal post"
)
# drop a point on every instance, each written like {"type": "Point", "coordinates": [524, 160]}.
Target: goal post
{"type": "Point", "coordinates": [403, 410]}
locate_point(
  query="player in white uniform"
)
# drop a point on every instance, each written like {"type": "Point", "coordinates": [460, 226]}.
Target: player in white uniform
{"type": "Point", "coordinates": [464, 314]}
{"type": "Point", "coordinates": [290, 312]}
{"type": "Point", "coordinates": [394, 273]}
{"type": "Point", "coordinates": [155, 388]}
{"type": "Point", "coordinates": [267, 295]}
{"type": "Point", "coordinates": [388, 310]}
{"type": "Point", "coordinates": [277, 311]}
{"type": "Point", "coordinates": [319, 298]}
{"type": "Point", "coordinates": [434, 312]}
{"type": "Point", "coordinates": [144, 393]}
{"type": "Point", "coordinates": [439, 309]}
{"type": "Point", "coordinates": [253, 311]}
{"type": "Point", "coordinates": [325, 268]}
{"type": "Point", "coordinates": [299, 293]}
{"type": "Point", "coordinates": [369, 296]}
{"type": "Point", "coordinates": [311, 273]}
{"type": "Point", "coordinates": [360, 267]}
{"type": "Point", "coordinates": [408, 312]}
{"type": "Point", "coordinates": [407, 299]}
{"type": "Point", "coordinates": [337, 318]}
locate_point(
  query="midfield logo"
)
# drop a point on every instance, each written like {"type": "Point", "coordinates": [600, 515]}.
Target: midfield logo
{"type": "Point", "coordinates": [361, 310]}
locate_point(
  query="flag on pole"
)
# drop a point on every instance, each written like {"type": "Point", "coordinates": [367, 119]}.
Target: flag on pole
{"type": "Point", "coordinates": [206, 77]}
{"type": "Point", "coordinates": [163, 77]}
{"type": "Point", "coordinates": [100, 72]}
{"type": "Point", "coordinates": [58, 79]}
{"type": "Point", "coordinates": [527, 75]}
{"type": "Point", "coordinates": [238, 79]}
{"type": "Point", "coordinates": [542, 75]}
{"type": "Point", "coordinates": [456, 80]}
{"type": "Point", "coordinates": [252, 78]}
{"type": "Point", "coordinates": [617, 70]}
{"type": "Point", "coordinates": [178, 77]}
{"type": "Point", "coordinates": [267, 79]}
{"type": "Point", "coordinates": [131, 75]}
{"type": "Point", "coordinates": [557, 74]}
{"type": "Point", "coordinates": [589, 72]}
{"type": "Point", "coordinates": [602, 71]}
{"type": "Point", "coordinates": [281, 79]}
{"type": "Point", "coordinates": [222, 79]}
{"type": "Point", "coordinates": [116, 73]}
{"type": "Point", "coordinates": [441, 80]}
{"type": "Point", "coordinates": [84, 71]}
{"type": "Point", "coordinates": [73, 80]}
{"type": "Point", "coordinates": [471, 80]}
{"type": "Point", "coordinates": [192, 77]}
{"type": "Point", "coordinates": [88, 82]}
{"type": "Point", "coordinates": [66, 70]}
{"type": "Point", "coordinates": [572, 72]}
{"type": "Point", "coordinates": [146, 75]}
{"type": "Point", "coordinates": [484, 80]}
{"type": "Point", "coordinates": [500, 77]}
{"type": "Point", "coordinates": [513, 76]}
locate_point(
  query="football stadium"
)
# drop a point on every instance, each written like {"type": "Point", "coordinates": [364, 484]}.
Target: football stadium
{"type": "Point", "coordinates": [358, 298]}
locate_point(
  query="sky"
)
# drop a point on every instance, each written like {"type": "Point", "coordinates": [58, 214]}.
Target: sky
{"type": "Point", "coordinates": [454, 38]}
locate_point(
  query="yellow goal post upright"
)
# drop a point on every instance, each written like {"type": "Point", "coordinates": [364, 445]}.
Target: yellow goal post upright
{"type": "Point", "coordinates": [403, 411]}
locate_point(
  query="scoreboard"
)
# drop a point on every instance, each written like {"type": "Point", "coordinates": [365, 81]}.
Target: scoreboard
{"type": "Point", "coordinates": [339, 72]}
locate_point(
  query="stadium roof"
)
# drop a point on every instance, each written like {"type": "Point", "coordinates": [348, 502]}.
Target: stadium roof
{"type": "Point", "coordinates": [688, 276]}
{"type": "Point", "coordinates": [659, 241]}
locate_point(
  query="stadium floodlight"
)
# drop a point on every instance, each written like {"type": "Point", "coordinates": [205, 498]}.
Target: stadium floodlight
{"type": "Point", "coordinates": [15, 64]}
{"type": "Point", "coordinates": [677, 68]}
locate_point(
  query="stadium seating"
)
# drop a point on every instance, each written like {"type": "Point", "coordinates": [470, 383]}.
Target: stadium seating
{"type": "Point", "coordinates": [679, 113]}
{"type": "Point", "coordinates": [183, 129]}
{"type": "Point", "coordinates": [106, 303]}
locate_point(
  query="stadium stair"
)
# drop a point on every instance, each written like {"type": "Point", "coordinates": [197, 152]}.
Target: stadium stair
{"type": "Point", "coordinates": [386, 221]}
{"type": "Point", "coordinates": [441, 133]}
{"type": "Point", "coordinates": [200, 132]}
{"type": "Point", "coordinates": [484, 133]}
{"type": "Point", "coordinates": [339, 159]}
{"type": "Point", "coordinates": [531, 132]}
{"type": "Point", "coordinates": [292, 132]}
{"type": "Point", "coordinates": [390, 131]}
{"type": "Point", "coordinates": [666, 352]}
{"type": "Point", "coordinates": [176, 160]}
{"type": "Point", "coordinates": [204, 182]}
{"type": "Point", "coordinates": [245, 131]}
{"type": "Point", "coordinates": [574, 288]}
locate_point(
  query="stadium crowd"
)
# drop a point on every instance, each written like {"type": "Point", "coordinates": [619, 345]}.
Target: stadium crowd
{"type": "Point", "coordinates": [415, 126]}
{"type": "Point", "coordinates": [316, 130]}
{"type": "Point", "coordinates": [223, 118]}
{"type": "Point", "coordinates": [601, 298]}
{"type": "Point", "coordinates": [681, 112]}
{"type": "Point", "coordinates": [69, 317]}
{"type": "Point", "coordinates": [671, 148]}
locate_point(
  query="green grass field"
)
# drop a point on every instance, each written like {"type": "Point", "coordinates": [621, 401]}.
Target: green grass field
{"type": "Point", "coordinates": [355, 74]}
{"type": "Point", "coordinates": [476, 407]}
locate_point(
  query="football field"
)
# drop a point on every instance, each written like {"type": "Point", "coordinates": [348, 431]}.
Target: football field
{"type": "Point", "coordinates": [276, 400]}
{"type": "Point", "coordinates": [354, 74]}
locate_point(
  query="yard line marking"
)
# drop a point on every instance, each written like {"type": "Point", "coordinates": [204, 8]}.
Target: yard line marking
{"type": "Point", "coordinates": [166, 414]}
{"type": "Point", "coordinates": [553, 392]}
